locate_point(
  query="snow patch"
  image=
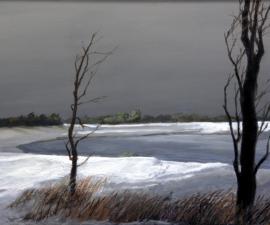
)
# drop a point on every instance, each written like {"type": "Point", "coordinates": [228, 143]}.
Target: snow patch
{"type": "Point", "coordinates": [26, 170]}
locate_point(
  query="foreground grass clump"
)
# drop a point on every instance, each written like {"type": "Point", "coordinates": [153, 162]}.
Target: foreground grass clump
{"type": "Point", "coordinates": [89, 203]}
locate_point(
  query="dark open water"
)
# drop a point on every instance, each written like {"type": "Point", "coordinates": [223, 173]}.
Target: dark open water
{"type": "Point", "coordinates": [182, 148]}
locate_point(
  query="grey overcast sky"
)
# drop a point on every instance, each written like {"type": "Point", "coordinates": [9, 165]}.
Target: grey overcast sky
{"type": "Point", "coordinates": [170, 58]}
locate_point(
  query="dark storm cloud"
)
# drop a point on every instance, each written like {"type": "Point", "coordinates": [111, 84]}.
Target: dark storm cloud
{"type": "Point", "coordinates": [170, 57]}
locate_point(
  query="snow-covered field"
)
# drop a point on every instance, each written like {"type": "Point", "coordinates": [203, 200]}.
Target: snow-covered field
{"type": "Point", "coordinates": [24, 170]}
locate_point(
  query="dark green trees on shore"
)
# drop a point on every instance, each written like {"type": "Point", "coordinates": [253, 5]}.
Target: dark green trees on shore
{"type": "Point", "coordinates": [32, 120]}
{"type": "Point", "coordinates": [118, 118]}
{"type": "Point", "coordinates": [132, 117]}
{"type": "Point", "coordinates": [135, 116]}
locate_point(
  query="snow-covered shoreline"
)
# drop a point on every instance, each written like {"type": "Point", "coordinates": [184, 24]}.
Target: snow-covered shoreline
{"type": "Point", "coordinates": [27, 170]}
{"type": "Point", "coordinates": [159, 128]}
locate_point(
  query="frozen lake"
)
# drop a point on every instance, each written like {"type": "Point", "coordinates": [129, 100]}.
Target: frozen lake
{"type": "Point", "coordinates": [187, 142]}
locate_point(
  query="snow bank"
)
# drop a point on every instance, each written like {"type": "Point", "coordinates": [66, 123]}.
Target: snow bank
{"type": "Point", "coordinates": [26, 170]}
{"type": "Point", "coordinates": [159, 128]}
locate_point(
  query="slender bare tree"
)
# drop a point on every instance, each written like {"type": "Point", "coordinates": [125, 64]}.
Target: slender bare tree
{"type": "Point", "coordinates": [86, 67]}
{"type": "Point", "coordinates": [245, 47]}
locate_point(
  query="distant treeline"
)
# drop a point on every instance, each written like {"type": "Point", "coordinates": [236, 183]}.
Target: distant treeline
{"type": "Point", "coordinates": [135, 116]}
{"type": "Point", "coordinates": [31, 120]}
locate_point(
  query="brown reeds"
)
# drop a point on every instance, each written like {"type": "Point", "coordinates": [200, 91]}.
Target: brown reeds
{"type": "Point", "coordinates": [89, 203]}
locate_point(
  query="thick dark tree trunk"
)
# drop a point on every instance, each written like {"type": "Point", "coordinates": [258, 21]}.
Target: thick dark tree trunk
{"type": "Point", "coordinates": [252, 19]}
{"type": "Point", "coordinates": [73, 175]}
{"type": "Point", "coordinates": [247, 178]}
{"type": "Point", "coordinates": [74, 153]}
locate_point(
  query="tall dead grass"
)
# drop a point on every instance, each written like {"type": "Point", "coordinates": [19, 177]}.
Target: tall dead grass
{"type": "Point", "coordinates": [215, 208]}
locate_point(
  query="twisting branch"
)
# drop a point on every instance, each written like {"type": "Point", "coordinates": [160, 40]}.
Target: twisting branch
{"type": "Point", "coordinates": [265, 114]}
{"type": "Point", "coordinates": [86, 136]}
{"type": "Point", "coordinates": [265, 156]}
{"type": "Point", "coordinates": [68, 150]}
{"type": "Point", "coordinates": [84, 161]}
{"type": "Point", "coordinates": [235, 138]}
{"type": "Point", "coordinates": [236, 62]}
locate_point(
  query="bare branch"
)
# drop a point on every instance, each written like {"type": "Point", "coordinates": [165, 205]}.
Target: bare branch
{"type": "Point", "coordinates": [262, 160]}
{"type": "Point", "coordinates": [86, 136]}
{"type": "Point", "coordinates": [93, 100]}
{"type": "Point", "coordinates": [84, 161]}
{"type": "Point", "coordinates": [235, 139]}
{"type": "Point", "coordinates": [234, 61]}
{"type": "Point", "coordinates": [263, 126]}
{"type": "Point", "coordinates": [237, 114]}
{"type": "Point", "coordinates": [68, 150]}
{"type": "Point", "coordinates": [80, 122]}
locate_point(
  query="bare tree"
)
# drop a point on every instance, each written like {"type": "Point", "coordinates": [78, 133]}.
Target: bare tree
{"type": "Point", "coordinates": [86, 67]}
{"type": "Point", "coordinates": [245, 47]}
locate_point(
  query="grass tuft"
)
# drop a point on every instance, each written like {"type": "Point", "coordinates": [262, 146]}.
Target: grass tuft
{"type": "Point", "coordinates": [89, 203]}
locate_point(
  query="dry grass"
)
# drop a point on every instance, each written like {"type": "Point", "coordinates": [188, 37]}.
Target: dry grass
{"type": "Point", "coordinates": [216, 208]}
